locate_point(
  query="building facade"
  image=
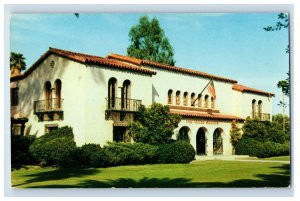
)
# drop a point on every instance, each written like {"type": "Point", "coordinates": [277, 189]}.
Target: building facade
{"type": "Point", "coordinates": [99, 96]}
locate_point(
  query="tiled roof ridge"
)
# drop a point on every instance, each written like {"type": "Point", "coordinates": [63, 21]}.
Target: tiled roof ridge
{"type": "Point", "coordinates": [168, 67]}
{"type": "Point", "coordinates": [241, 88]}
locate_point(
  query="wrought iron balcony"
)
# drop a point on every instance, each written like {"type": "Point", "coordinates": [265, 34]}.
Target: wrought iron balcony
{"type": "Point", "coordinates": [48, 105]}
{"type": "Point", "coordinates": [119, 104]}
{"type": "Point", "coordinates": [261, 116]}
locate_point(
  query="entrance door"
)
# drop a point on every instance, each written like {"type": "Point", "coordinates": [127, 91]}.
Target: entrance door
{"type": "Point", "coordinates": [217, 143]}
{"type": "Point", "coordinates": [201, 142]}
{"type": "Point", "coordinates": [119, 133]}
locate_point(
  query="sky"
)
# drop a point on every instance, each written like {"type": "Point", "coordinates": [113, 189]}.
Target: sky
{"type": "Point", "coordinates": [232, 45]}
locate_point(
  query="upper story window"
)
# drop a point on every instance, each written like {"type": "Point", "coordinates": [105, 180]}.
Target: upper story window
{"type": "Point", "coordinates": [185, 98]}
{"type": "Point", "coordinates": [58, 100]}
{"type": "Point", "coordinates": [48, 95]}
{"type": "Point", "coordinates": [212, 102]}
{"type": "Point", "coordinates": [170, 97]}
{"type": "Point", "coordinates": [206, 101]}
{"type": "Point", "coordinates": [126, 93]}
{"type": "Point", "coordinates": [192, 99]}
{"type": "Point", "coordinates": [112, 91]}
{"type": "Point", "coordinates": [259, 107]}
{"type": "Point", "coordinates": [178, 98]}
{"type": "Point", "coordinates": [14, 96]}
{"type": "Point", "coordinates": [199, 100]}
{"type": "Point", "coordinates": [253, 108]}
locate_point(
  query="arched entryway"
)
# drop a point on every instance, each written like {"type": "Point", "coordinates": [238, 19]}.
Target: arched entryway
{"type": "Point", "coordinates": [183, 134]}
{"type": "Point", "coordinates": [218, 142]}
{"type": "Point", "coordinates": [201, 141]}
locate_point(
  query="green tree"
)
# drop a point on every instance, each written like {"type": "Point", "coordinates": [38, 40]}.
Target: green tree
{"type": "Point", "coordinates": [17, 60]}
{"type": "Point", "coordinates": [284, 122]}
{"type": "Point", "coordinates": [154, 125]}
{"type": "Point", "coordinates": [148, 41]}
{"type": "Point", "coordinates": [235, 135]}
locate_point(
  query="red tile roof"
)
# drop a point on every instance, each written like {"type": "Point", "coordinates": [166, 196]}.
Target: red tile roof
{"type": "Point", "coordinates": [205, 115]}
{"type": "Point", "coordinates": [167, 67]}
{"type": "Point", "coordinates": [242, 88]}
{"type": "Point", "coordinates": [85, 58]}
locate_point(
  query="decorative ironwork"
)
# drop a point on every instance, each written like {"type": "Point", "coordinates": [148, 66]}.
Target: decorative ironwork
{"type": "Point", "coordinates": [47, 105]}
{"type": "Point", "coordinates": [119, 104]}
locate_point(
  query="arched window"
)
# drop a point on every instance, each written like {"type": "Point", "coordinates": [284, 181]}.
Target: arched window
{"type": "Point", "coordinates": [259, 109]}
{"type": "Point", "coordinates": [218, 142]}
{"type": "Point", "coordinates": [178, 98]}
{"type": "Point", "coordinates": [58, 100]}
{"type": "Point", "coordinates": [170, 97]}
{"type": "Point", "coordinates": [212, 102]}
{"type": "Point", "coordinates": [184, 134]}
{"type": "Point", "coordinates": [48, 95]}
{"type": "Point", "coordinates": [199, 100]}
{"type": "Point", "coordinates": [253, 108]}
{"type": "Point", "coordinates": [126, 94]}
{"type": "Point", "coordinates": [192, 99]}
{"type": "Point", "coordinates": [185, 99]}
{"type": "Point", "coordinates": [112, 90]}
{"type": "Point", "coordinates": [206, 101]}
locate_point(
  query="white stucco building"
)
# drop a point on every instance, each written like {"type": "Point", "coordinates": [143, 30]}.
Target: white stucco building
{"type": "Point", "coordinates": [99, 96]}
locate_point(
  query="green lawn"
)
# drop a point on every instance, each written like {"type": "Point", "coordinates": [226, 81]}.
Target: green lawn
{"type": "Point", "coordinates": [200, 174]}
{"type": "Point", "coordinates": [274, 158]}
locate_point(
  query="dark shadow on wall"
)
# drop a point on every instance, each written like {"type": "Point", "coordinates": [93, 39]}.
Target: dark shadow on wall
{"type": "Point", "coordinates": [278, 179]}
{"type": "Point", "coordinates": [154, 93]}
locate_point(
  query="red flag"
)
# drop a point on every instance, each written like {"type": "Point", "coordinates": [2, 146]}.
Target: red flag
{"type": "Point", "coordinates": [211, 90]}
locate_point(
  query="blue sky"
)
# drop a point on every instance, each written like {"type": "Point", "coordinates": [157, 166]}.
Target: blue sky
{"type": "Point", "coordinates": [224, 44]}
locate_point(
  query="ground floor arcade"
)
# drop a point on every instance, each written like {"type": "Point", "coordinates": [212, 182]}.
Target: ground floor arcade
{"type": "Point", "coordinates": [208, 137]}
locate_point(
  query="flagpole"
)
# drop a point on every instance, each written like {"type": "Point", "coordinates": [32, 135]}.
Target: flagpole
{"type": "Point", "coordinates": [202, 91]}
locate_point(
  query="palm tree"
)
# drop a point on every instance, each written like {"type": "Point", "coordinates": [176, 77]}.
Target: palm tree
{"type": "Point", "coordinates": [17, 63]}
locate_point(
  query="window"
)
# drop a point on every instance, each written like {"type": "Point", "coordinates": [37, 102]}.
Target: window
{"type": "Point", "coordinates": [178, 98]}
{"type": "Point", "coordinates": [170, 97]}
{"type": "Point", "coordinates": [212, 102]}
{"type": "Point", "coordinates": [48, 95]}
{"type": "Point", "coordinates": [58, 100]}
{"type": "Point", "coordinates": [192, 99]}
{"type": "Point", "coordinates": [206, 101]}
{"type": "Point", "coordinates": [253, 108]}
{"type": "Point", "coordinates": [259, 108]}
{"type": "Point", "coordinates": [112, 89]}
{"type": "Point", "coordinates": [14, 96]}
{"type": "Point", "coordinates": [50, 127]}
{"type": "Point", "coordinates": [126, 94]}
{"type": "Point", "coordinates": [185, 98]}
{"type": "Point", "coordinates": [199, 100]}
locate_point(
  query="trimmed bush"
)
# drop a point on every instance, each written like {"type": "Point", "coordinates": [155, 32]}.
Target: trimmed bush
{"type": "Point", "coordinates": [175, 152]}
{"type": "Point", "coordinates": [20, 150]}
{"type": "Point", "coordinates": [252, 147]}
{"type": "Point", "coordinates": [129, 153]}
{"type": "Point", "coordinates": [56, 148]}
{"type": "Point", "coordinates": [91, 155]}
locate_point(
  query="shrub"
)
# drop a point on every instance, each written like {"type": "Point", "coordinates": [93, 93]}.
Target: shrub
{"type": "Point", "coordinates": [20, 149]}
{"type": "Point", "coordinates": [91, 155]}
{"type": "Point", "coordinates": [129, 153]}
{"type": "Point", "coordinates": [252, 147]}
{"type": "Point", "coordinates": [56, 148]}
{"type": "Point", "coordinates": [175, 152]}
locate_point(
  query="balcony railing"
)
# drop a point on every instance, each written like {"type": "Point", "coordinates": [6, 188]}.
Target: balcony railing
{"type": "Point", "coordinates": [261, 116]}
{"type": "Point", "coordinates": [119, 104]}
{"type": "Point", "coordinates": [48, 105]}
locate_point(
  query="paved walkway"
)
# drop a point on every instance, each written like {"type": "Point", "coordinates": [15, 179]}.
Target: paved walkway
{"type": "Point", "coordinates": [242, 158]}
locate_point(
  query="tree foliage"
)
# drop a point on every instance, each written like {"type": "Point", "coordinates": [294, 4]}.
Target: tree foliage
{"type": "Point", "coordinates": [235, 134]}
{"type": "Point", "coordinates": [17, 60]}
{"type": "Point", "coordinates": [154, 125]}
{"type": "Point", "coordinates": [285, 86]}
{"type": "Point", "coordinates": [148, 41]}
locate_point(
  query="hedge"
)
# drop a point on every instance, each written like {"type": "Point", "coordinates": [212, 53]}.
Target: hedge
{"type": "Point", "coordinates": [252, 147]}
{"type": "Point", "coordinates": [56, 148]}
{"type": "Point", "coordinates": [20, 150]}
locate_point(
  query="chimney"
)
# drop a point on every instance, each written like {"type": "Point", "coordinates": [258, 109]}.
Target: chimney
{"type": "Point", "coordinates": [15, 71]}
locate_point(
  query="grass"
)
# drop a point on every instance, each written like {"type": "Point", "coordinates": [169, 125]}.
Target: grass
{"type": "Point", "coordinates": [275, 158]}
{"type": "Point", "coordinates": [201, 174]}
